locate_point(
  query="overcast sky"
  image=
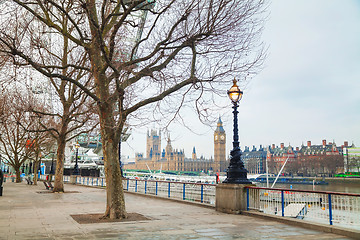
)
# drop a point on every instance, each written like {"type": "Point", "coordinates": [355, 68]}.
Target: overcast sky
{"type": "Point", "coordinates": [309, 89]}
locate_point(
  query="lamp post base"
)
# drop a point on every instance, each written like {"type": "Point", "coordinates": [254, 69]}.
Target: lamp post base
{"type": "Point", "coordinates": [76, 171]}
{"type": "Point", "coordinates": [236, 172]}
{"type": "Point", "coordinates": [237, 176]}
{"type": "Point", "coordinates": [231, 198]}
{"type": "Point", "coordinates": [73, 179]}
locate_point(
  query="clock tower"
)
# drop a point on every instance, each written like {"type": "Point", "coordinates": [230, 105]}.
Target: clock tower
{"type": "Point", "coordinates": [219, 148]}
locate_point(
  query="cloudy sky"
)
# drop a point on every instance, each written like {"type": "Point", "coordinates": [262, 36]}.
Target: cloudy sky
{"type": "Point", "coordinates": [309, 89]}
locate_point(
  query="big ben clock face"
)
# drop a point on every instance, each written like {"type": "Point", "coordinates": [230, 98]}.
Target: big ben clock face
{"type": "Point", "coordinates": [222, 137]}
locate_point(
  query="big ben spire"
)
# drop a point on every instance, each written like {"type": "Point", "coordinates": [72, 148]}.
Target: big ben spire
{"type": "Point", "coordinates": [219, 127]}
{"type": "Point", "coordinates": [219, 148]}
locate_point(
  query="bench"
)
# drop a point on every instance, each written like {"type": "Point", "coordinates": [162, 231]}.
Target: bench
{"type": "Point", "coordinates": [48, 185]}
{"type": "Point", "coordinates": [29, 182]}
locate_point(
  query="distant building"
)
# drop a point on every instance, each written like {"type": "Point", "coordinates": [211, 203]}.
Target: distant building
{"type": "Point", "coordinates": [324, 159]}
{"type": "Point", "coordinates": [254, 160]}
{"type": "Point", "coordinates": [351, 158]}
{"type": "Point", "coordinates": [319, 159]}
{"type": "Point", "coordinates": [276, 156]}
{"type": "Point", "coordinates": [174, 159]}
{"type": "Point", "coordinates": [309, 160]}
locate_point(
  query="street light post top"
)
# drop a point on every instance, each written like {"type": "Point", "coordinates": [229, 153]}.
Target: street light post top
{"type": "Point", "coordinates": [235, 94]}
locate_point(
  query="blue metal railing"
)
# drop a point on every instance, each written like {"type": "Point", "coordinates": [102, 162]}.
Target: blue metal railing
{"type": "Point", "coordinates": [341, 209]}
{"type": "Point", "coordinates": [199, 192]}
{"type": "Point", "coordinates": [204, 193]}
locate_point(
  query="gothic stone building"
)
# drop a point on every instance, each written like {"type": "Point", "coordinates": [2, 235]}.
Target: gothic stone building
{"type": "Point", "coordinates": [175, 160]}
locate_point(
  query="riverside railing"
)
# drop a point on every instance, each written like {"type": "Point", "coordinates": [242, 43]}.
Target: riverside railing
{"type": "Point", "coordinates": [340, 209]}
{"type": "Point", "coordinates": [198, 192]}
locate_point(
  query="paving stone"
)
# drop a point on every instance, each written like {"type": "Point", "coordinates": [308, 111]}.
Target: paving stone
{"type": "Point", "coordinates": [29, 215]}
{"type": "Point", "coordinates": [211, 234]}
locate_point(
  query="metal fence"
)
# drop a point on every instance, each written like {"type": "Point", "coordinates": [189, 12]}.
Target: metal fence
{"type": "Point", "coordinates": [198, 192]}
{"type": "Point", "coordinates": [340, 209]}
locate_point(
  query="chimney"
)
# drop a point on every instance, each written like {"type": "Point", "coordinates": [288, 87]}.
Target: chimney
{"type": "Point", "coordinates": [324, 143]}
{"type": "Point", "coordinates": [282, 145]}
{"type": "Point", "coordinates": [273, 146]}
{"type": "Point", "coordinates": [346, 144]}
{"type": "Point", "coordinates": [309, 143]}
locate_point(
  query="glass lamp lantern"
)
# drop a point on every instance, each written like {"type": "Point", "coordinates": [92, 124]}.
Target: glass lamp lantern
{"type": "Point", "coordinates": [234, 93]}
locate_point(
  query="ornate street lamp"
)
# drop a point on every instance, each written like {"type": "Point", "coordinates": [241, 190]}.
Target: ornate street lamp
{"type": "Point", "coordinates": [236, 172]}
{"type": "Point", "coordinates": [76, 168]}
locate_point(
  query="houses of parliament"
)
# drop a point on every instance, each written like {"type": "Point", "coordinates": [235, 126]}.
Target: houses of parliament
{"type": "Point", "coordinates": [175, 160]}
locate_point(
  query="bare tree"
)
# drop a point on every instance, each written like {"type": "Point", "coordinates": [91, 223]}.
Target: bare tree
{"type": "Point", "coordinates": [293, 166]}
{"type": "Point", "coordinates": [66, 111]}
{"type": "Point", "coordinates": [15, 140]}
{"type": "Point", "coordinates": [354, 164]}
{"type": "Point", "coordinates": [333, 163]}
{"type": "Point", "coordinates": [42, 143]}
{"type": "Point", "coordinates": [273, 166]}
{"type": "Point", "coordinates": [182, 54]}
{"type": "Point", "coordinates": [73, 115]}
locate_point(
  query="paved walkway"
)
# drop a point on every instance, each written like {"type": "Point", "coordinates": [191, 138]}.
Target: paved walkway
{"type": "Point", "coordinates": [27, 214]}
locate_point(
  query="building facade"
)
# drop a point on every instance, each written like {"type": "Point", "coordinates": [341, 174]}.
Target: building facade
{"type": "Point", "coordinates": [307, 160]}
{"type": "Point", "coordinates": [319, 159]}
{"type": "Point", "coordinates": [254, 160]}
{"type": "Point", "coordinates": [175, 160]}
{"type": "Point", "coordinates": [351, 158]}
{"type": "Point", "coordinates": [277, 156]}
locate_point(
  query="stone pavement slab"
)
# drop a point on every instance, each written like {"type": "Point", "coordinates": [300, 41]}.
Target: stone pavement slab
{"type": "Point", "coordinates": [27, 214]}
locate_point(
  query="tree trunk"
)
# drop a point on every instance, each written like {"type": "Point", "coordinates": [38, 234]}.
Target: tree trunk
{"type": "Point", "coordinates": [115, 207]}
{"type": "Point", "coordinates": [115, 201]}
{"type": "Point", "coordinates": [59, 173]}
{"type": "Point", "coordinates": [35, 168]}
{"type": "Point", "coordinates": [17, 172]}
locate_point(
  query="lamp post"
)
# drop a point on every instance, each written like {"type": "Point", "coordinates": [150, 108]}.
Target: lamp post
{"type": "Point", "coordinates": [52, 164]}
{"type": "Point", "coordinates": [76, 168]}
{"type": "Point", "coordinates": [39, 169]}
{"type": "Point", "coordinates": [236, 172]}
